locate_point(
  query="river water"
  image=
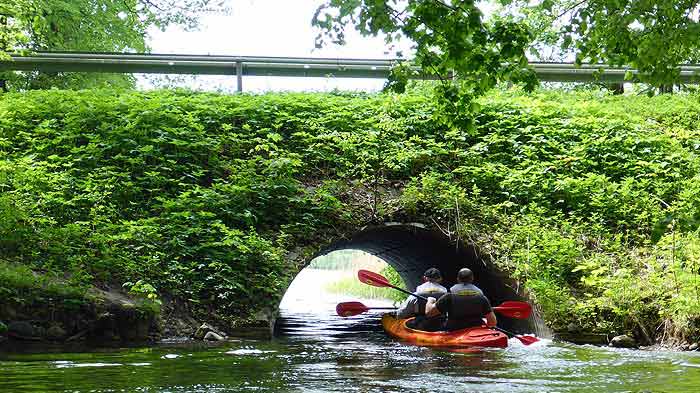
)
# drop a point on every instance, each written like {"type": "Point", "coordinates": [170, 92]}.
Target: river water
{"type": "Point", "coordinates": [317, 351]}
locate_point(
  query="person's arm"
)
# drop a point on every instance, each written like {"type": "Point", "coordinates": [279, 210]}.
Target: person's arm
{"type": "Point", "coordinates": [407, 309]}
{"type": "Point", "coordinates": [488, 312]}
{"type": "Point", "coordinates": [435, 308]}
{"type": "Point", "coordinates": [491, 319]}
{"type": "Point", "coordinates": [431, 309]}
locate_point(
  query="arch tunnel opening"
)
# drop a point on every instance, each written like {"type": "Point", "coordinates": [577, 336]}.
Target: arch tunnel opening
{"type": "Point", "coordinates": [412, 249]}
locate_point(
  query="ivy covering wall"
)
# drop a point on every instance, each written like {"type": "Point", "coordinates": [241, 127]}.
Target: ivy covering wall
{"type": "Point", "coordinates": [591, 201]}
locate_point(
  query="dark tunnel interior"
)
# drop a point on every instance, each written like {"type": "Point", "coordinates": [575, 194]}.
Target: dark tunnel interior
{"type": "Point", "coordinates": [410, 250]}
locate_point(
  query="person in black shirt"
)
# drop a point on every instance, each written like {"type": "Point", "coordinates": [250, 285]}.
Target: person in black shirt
{"type": "Point", "coordinates": [464, 309]}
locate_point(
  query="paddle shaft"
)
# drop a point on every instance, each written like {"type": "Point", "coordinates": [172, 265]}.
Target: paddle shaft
{"type": "Point", "coordinates": [426, 299]}
{"type": "Point", "coordinates": [377, 280]}
{"type": "Point", "coordinates": [408, 292]}
{"type": "Point", "coordinates": [511, 334]}
{"type": "Point", "coordinates": [513, 309]}
{"type": "Point", "coordinates": [527, 341]}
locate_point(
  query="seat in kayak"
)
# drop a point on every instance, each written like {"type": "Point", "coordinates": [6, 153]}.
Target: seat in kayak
{"type": "Point", "coordinates": [480, 336]}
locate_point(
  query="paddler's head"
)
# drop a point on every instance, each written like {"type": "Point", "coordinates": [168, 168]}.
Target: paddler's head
{"type": "Point", "coordinates": [465, 276]}
{"type": "Point", "coordinates": [432, 275]}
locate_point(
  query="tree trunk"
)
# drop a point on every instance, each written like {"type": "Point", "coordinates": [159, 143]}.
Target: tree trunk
{"type": "Point", "coordinates": [3, 47]}
{"type": "Point", "coordinates": [616, 88]}
{"type": "Point", "coordinates": [666, 89]}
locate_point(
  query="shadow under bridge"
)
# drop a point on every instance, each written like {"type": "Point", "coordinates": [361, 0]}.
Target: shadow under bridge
{"type": "Point", "coordinates": [411, 249]}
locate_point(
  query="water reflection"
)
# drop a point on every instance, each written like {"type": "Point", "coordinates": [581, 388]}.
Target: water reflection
{"type": "Point", "coordinates": [360, 361]}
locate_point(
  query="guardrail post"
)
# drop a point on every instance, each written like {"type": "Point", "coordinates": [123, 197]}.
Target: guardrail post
{"type": "Point", "coordinates": [617, 88]}
{"type": "Point", "coordinates": [239, 76]}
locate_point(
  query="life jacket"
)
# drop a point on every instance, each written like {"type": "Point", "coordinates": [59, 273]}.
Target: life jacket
{"type": "Point", "coordinates": [466, 289]}
{"type": "Point", "coordinates": [466, 306]}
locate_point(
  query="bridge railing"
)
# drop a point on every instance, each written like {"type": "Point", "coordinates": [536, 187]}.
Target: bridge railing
{"type": "Point", "coordinates": [285, 66]}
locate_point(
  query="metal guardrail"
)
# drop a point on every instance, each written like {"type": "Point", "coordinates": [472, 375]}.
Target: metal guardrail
{"type": "Point", "coordinates": [284, 66]}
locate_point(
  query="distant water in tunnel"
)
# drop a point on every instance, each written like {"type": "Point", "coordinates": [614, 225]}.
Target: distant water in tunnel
{"type": "Point", "coordinates": [308, 307]}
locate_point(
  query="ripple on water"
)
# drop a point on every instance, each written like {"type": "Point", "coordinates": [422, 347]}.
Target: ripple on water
{"type": "Point", "coordinates": [69, 364]}
{"type": "Point", "coordinates": [247, 351]}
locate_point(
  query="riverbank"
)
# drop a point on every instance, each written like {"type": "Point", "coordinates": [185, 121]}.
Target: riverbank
{"type": "Point", "coordinates": [36, 307]}
{"type": "Point", "coordinates": [108, 318]}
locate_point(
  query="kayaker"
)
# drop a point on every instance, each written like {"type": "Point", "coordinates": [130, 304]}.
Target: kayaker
{"type": "Point", "coordinates": [465, 305]}
{"type": "Point", "coordinates": [466, 287]}
{"type": "Point", "coordinates": [415, 307]}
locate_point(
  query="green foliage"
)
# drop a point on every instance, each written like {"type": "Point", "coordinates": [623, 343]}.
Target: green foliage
{"type": "Point", "coordinates": [471, 53]}
{"type": "Point", "coordinates": [588, 200]}
{"type": "Point", "coordinates": [451, 38]}
{"type": "Point", "coordinates": [143, 290]}
{"type": "Point", "coordinates": [394, 278]}
{"type": "Point", "coordinates": [344, 260]}
{"type": "Point", "coordinates": [19, 285]}
{"type": "Point", "coordinates": [352, 287]}
{"type": "Point", "coordinates": [149, 304]}
{"type": "Point", "coordinates": [654, 37]}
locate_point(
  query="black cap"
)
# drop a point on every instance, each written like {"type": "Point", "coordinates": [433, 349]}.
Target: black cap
{"type": "Point", "coordinates": [465, 275]}
{"type": "Point", "coordinates": [432, 273]}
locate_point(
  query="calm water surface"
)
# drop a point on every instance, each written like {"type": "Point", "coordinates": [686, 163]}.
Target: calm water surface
{"type": "Point", "coordinates": [319, 352]}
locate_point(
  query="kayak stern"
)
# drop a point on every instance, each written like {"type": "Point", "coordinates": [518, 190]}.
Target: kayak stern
{"type": "Point", "coordinates": [480, 336]}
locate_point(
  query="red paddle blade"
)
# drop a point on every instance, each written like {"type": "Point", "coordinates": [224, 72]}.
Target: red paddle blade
{"type": "Point", "coordinates": [527, 340]}
{"type": "Point", "coordinates": [349, 309]}
{"type": "Point", "coordinates": [372, 278]}
{"type": "Point", "coordinates": [513, 309]}
{"type": "Point", "coordinates": [515, 303]}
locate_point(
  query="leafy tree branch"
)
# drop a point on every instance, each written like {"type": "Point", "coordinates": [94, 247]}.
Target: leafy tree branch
{"type": "Point", "coordinates": [448, 39]}
{"type": "Point", "coordinates": [89, 25]}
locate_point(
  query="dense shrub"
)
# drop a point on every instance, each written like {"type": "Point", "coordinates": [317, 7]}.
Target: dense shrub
{"type": "Point", "coordinates": [589, 200]}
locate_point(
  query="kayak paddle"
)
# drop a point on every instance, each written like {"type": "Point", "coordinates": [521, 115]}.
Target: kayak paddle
{"type": "Point", "coordinates": [526, 340]}
{"type": "Point", "coordinates": [377, 280]}
{"type": "Point", "coordinates": [348, 309]}
{"type": "Point", "coordinates": [510, 308]}
{"type": "Point", "coordinates": [514, 309]}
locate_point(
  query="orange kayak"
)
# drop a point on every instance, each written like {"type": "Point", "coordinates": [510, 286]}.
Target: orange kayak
{"type": "Point", "coordinates": [471, 337]}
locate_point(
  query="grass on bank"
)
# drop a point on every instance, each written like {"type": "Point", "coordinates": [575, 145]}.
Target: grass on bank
{"type": "Point", "coordinates": [39, 295]}
{"type": "Point", "coordinates": [20, 286]}
{"type": "Point", "coordinates": [353, 286]}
